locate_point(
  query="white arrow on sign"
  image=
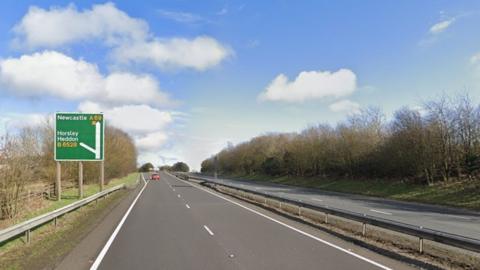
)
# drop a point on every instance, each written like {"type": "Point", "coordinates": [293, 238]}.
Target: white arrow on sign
{"type": "Point", "coordinates": [95, 150]}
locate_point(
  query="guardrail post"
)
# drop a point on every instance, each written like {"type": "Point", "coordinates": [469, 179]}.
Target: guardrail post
{"type": "Point", "coordinates": [27, 236]}
{"type": "Point", "coordinates": [55, 221]}
{"type": "Point", "coordinates": [439, 237]}
{"type": "Point", "coordinates": [420, 245]}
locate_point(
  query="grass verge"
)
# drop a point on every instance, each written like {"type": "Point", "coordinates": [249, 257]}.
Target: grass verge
{"type": "Point", "coordinates": [463, 194]}
{"type": "Point", "coordinates": [51, 243]}
{"type": "Point", "coordinates": [68, 196]}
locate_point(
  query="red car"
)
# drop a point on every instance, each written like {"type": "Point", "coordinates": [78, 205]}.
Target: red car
{"type": "Point", "coordinates": [155, 176]}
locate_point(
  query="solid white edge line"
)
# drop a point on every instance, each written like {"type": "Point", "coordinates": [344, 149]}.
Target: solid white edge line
{"type": "Point", "coordinates": [318, 200]}
{"type": "Point", "coordinates": [381, 212]}
{"type": "Point", "coordinates": [208, 230]}
{"type": "Point", "coordinates": [102, 253]}
{"type": "Point", "coordinates": [297, 230]}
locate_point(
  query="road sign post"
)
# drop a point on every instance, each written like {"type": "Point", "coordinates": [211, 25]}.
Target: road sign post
{"type": "Point", "coordinates": [79, 137]}
{"type": "Point", "coordinates": [58, 182]}
{"type": "Point", "coordinates": [102, 174]}
{"type": "Point", "coordinates": [80, 179]}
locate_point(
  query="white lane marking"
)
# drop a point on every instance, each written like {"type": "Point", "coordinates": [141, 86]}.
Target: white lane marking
{"type": "Point", "coordinates": [178, 195]}
{"type": "Point", "coordinates": [145, 181]}
{"type": "Point", "coordinates": [381, 212]}
{"type": "Point", "coordinates": [208, 230]}
{"type": "Point", "coordinates": [460, 217]}
{"type": "Point", "coordinates": [297, 230]}
{"type": "Point", "coordinates": [188, 206]}
{"type": "Point", "coordinates": [104, 250]}
{"type": "Point", "coordinates": [172, 188]}
{"type": "Point", "coordinates": [318, 200]}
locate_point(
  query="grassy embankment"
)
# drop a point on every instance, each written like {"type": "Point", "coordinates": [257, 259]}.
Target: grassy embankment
{"type": "Point", "coordinates": [69, 196]}
{"type": "Point", "coordinates": [50, 243]}
{"type": "Point", "coordinates": [464, 194]}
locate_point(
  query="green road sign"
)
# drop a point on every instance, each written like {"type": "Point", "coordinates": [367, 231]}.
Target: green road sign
{"type": "Point", "coordinates": [79, 136]}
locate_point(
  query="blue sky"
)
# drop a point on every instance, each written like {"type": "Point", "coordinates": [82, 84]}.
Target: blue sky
{"type": "Point", "coordinates": [202, 74]}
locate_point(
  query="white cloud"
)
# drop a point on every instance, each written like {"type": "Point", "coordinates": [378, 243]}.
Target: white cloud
{"type": "Point", "coordinates": [181, 17]}
{"type": "Point", "coordinates": [311, 85]}
{"type": "Point", "coordinates": [345, 106]}
{"type": "Point", "coordinates": [441, 26]}
{"type": "Point", "coordinates": [192, 150]}
{"type": "Point", "coordinates": [135, 119]}
{"type": "Point", "coordinates": [156, 158]}
{"type": "Point", "coordinates": [129, 37]}
{"type": "Point", "coordinates": [145, 124]}
{"type": "Point", "coordinates": [91, 107]}
{"type": "Point", "coordinates": [60, 26]}
{"type": "Point", "coordinates": [15, 121]}
{"type": "Point", "coordinates": [50, 73]}
{"type": "Point", "coordinates": [199, 53]}
{"type": "Point", "coordinates": [475, 59]}
{"type": "Point", "coordinates": [54, 74]}
{"type": "Point", "coordinates": [130, 101]}
{"type": "Point", "coordinates": [420, 109]}
{"type": "Point", "coordinates": [130, 88]}
{"type": "Point", "coordinates": [152, 141]}
{"type": "Point", "coordinates": [222, 12]}
{"type": "Point", "coordinates": [139, 118]}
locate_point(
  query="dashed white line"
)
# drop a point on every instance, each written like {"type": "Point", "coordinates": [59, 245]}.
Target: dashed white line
{"type": "Point", "coordinates": [208, 230]}
{"type": "Point", "coordinates": [381, 212]}
{"type": "Point", "coordinates": [188, 206]}
{"type": "Point", "coordinates": [295, 229]}
{"type": "Point", "coordinates": [178, 196]}
{"type": "Point", "coordinates": [318, 200]}
{"type": "Point", "coordinates": [460, 217]}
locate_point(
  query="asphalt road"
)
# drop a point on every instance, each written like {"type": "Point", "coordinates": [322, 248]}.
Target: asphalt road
{"type": "Point", "coordinates": [176, 225]}
{"type": "Point", "coordinates": [445, 219]}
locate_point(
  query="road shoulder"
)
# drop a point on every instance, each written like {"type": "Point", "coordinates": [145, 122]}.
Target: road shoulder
{"type": "Point", "coordinates": [84, 253]}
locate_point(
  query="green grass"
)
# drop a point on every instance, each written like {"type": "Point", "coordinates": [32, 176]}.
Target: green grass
{"type": "Point", "coordinates": [50, 244]}
{"type": "Point", "coordinates": [464, 194]}
{"type": "Point", "coordinates": [71, 195]}
{"type": "Point", "coordinates": [68, 196]}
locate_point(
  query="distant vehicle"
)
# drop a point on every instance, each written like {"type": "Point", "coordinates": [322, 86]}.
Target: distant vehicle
{"type": "Point", "coordinates": [155, 176]}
